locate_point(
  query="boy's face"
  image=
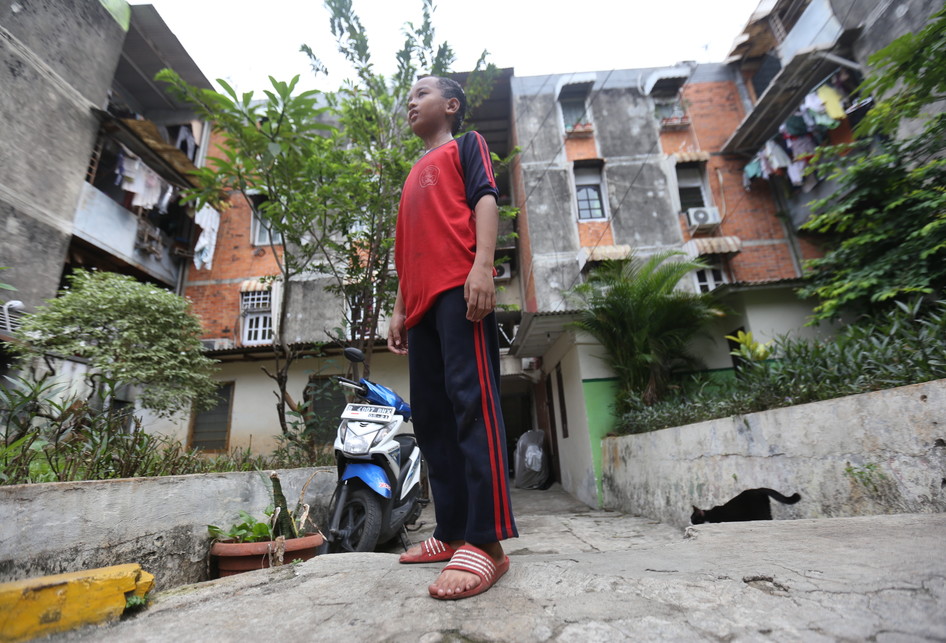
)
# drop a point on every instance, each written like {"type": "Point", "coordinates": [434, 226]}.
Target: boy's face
{"type": "Point", "coordinates": [428, 111]}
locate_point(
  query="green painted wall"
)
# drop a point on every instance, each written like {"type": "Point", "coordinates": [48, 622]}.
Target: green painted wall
{"type": "Point", "coordinates": [599, 409]}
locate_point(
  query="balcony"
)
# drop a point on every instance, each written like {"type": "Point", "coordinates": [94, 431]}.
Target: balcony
{"type": "Point", "coordinates": [106, 225]}
{"type": "Point", "coordinates": [808, 54]}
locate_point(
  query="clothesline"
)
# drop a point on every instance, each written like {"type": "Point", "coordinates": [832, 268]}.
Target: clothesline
{"type": "Point", "coordinates": [790, 152]}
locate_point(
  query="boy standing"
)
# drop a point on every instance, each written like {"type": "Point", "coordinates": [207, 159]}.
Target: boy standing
{"type": "Point", "coordinates": [446, 236]}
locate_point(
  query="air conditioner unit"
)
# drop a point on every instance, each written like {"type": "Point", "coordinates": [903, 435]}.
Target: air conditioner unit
{"type": "Point", "coordinates": [503, 272]}
{"type": "Point", "coordinates": [217, 344]}
{"type": "Point", "coordinates": [703, 218]}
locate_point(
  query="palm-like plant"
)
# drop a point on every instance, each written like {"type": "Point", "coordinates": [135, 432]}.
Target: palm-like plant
{"type": "Point", "coordinates": [634, 309]}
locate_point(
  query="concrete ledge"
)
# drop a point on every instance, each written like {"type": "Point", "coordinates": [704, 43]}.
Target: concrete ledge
{"type": "Point", "coordinates": [160, 523]}
{"type": "Point", "coordinates": [42, 606]}
{"type": "Point", "coordinates": [876, 453]}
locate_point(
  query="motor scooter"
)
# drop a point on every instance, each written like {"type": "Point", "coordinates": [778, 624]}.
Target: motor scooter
{"type": "Point", "coordinates": [380, 488]}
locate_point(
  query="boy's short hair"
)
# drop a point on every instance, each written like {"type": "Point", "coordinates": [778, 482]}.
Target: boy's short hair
{"type": "Point", "coordinates": [452, 89]}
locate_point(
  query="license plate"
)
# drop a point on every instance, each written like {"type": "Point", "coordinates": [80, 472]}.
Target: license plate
{"type": "Point", "coordinates": [368, 413]}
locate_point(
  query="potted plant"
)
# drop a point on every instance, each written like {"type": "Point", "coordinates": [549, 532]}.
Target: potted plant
{"type": "Point", "coordinates": [254, 544]}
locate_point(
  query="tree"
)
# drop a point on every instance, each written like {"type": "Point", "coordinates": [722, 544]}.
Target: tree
{"type": "Point", "coordinates": [886, 224]}
{"type": "Point", "coordinates": [132, 333]}
{"type": "Point", "coordinates": [330, 191]}
{"type": "Point", "coordinates": [644, 322]}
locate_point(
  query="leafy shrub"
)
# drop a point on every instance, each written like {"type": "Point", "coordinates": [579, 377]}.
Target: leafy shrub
{"type": "Point", "coordinates": [50, 436]}
{"type": "Point", "coordinates": [905, 347]}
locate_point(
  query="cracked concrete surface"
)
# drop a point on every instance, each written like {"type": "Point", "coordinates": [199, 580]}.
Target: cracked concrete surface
{"type": "Point", "coordinates": [583, 575]}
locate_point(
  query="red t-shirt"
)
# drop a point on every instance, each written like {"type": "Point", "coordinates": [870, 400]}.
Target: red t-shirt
{"type": "Point", "coordinates": [435, 241]}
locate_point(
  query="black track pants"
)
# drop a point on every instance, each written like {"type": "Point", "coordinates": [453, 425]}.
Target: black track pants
{"type": "Point", "coordinates": [454, 367]}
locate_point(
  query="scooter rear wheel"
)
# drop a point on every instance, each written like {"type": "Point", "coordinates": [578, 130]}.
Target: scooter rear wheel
{"type": "Point", "coordinates": [360, 524]}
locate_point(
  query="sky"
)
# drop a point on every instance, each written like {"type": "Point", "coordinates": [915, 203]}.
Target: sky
{"type": "Point", "coordinates": [245, 41]}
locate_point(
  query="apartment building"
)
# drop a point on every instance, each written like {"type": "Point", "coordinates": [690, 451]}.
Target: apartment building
{"type": "Point", "coordinates": [95, 151]}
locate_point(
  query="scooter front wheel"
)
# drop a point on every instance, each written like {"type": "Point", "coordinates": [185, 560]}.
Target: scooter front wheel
{"type": "Point", "coordinates": [360, 525]}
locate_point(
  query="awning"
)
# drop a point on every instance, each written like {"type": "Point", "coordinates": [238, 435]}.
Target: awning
{"type": "Point", "coordinates": [691, 157]}
{"type": "Point", "coordinates": [712, 246]}
{"type": "Point", "coordinates": [667, 81]}
{"type": "Point", "coordinates": [538, 331]}
{"type": "Point", "coordinates": [605, 253]}
{"type": "Point", "coordinates": [253, 285]}
{"type": "Point", "coordinates": [602, 253]}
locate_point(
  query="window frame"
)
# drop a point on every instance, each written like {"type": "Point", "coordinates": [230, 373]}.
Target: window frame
{"type": "Point", "coordinates": [574, 105]}
{"type": "Point", "coordinates": [262, 234]}
{"type": "Point", "coordinates": [257, 317]}
{"type": "Point", "coordinates": [593, 177]}
{"type": "Point", "coordinates": [711, 283]}
{"type": "Point", "coordinates": [691, 182]}
{"type": "Point", "coordinates": [192, 434]}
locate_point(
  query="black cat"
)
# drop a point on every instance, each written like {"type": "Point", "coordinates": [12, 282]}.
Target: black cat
{"type": "Point", "coordinates": [751, 504]}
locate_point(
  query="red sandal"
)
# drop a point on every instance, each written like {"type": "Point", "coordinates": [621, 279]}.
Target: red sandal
{"type": "Point", "coordinates": [475, 561]}
{"type": "Point", "coordinates": [431, 551]}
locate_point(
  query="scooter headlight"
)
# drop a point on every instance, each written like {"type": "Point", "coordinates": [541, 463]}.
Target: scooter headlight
{"type": "Point", "coordinates": [356, 444]}
{"type": "Point", "coordinates": [360, 437]}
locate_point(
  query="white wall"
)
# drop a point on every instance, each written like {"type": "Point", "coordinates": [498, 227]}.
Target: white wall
{"type": "Point", "coordinates": [767, 314]}
{"type": "Point", "coordinates": [578, 356]}
{"type": "Point", "coordinates": [253, 419]}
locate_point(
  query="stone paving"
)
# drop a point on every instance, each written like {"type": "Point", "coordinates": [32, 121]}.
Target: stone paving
{"type": "Point", "coordinates": [583, 575]}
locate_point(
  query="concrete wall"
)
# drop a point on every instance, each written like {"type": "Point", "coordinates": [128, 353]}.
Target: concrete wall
{"type": "Point", "coordinates": [49, 88]}
{"type": "Point", "coordinates": [160, 523]}
{"type": "Point", "coordinates": [881, 452]}
{"type": "Point", "coordinates": [635, 175]}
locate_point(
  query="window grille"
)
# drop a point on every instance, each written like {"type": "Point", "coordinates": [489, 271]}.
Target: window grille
{"type": "Point", "coordinates": [257, 317]}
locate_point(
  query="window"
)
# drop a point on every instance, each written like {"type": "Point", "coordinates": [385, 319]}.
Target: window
{"type": "Point", "coordinates": [211, 428]}
{"type": "Point", "coordinates": [710, 278]}
{"type": "Point", "coordinates": [573, 99]}
{"type": "Point", "coordinates": [690, 185]}
{"type": "Point", "coordinates": [262, 234]}
{"type": "Point", "coordinates": [589, 193]}
{"type": "Point", "coordinates": [573, 112]}
{"type": "Point", "coordinates": [257, 317]}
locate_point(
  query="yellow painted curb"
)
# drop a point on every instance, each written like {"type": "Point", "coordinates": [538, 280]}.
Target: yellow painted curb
{"type": "Point", "coordinates": [41, 606]}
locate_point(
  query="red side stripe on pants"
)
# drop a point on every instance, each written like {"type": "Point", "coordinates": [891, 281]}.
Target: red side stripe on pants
{"type": "Point", "coordinates": [502, 514]}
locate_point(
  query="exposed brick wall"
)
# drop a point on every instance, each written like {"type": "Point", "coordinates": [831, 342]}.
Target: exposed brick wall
{"type": "Point", "coordinates": [762, 263]}
{"type": "Point", "coordinates": [715, 111]}
{"type": "Point", "coordinates": [595, 233]}
{"type": "Point", "coordinates": [581, 148]}
{"type": "Point", "coordinates": [215, 293]}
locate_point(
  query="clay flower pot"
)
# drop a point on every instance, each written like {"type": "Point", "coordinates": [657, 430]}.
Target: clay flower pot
{"type": "Point", "coordinates": [234, 558]}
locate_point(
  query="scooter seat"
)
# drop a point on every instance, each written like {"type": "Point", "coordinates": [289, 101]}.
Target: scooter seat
{"type": "Point", "coordinates": [407, 445]}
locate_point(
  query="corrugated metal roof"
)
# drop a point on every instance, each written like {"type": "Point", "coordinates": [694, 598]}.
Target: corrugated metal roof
{"type": "Point", "coordinates": [712, 246]}
{"type": "Point", "coordinates": [606, 253]}
{"type": "Point", "coordinates": [253, 285]}
{"type": "Point", "coordinates": [691, 157]}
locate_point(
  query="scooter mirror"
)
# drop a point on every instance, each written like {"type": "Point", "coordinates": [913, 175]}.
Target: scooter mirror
{"type": "Point", "coordinates": [354, 355]}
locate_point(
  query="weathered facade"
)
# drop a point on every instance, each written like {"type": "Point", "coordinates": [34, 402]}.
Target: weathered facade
{"type": "Point", "coordinates": [95, 152]}
{"type": "Point", "coordinates": [639, 161]}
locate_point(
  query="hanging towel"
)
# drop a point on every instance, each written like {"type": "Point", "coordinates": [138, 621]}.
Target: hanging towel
{"type": "Point", "coordinates": [752, 170]}
{"type": "Point", "coordinates": [832, 101]}
{"type": "Point", "coordinates": [209, 220]}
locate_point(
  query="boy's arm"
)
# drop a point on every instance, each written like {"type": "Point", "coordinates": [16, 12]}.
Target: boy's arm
{"type": "Point", "coordinates": [397, 333]}
{"type": "Point", "coordinates": [479, 291]}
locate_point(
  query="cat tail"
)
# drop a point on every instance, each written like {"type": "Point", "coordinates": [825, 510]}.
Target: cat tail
{"type": "Point", "coordinates": [788, 500]}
